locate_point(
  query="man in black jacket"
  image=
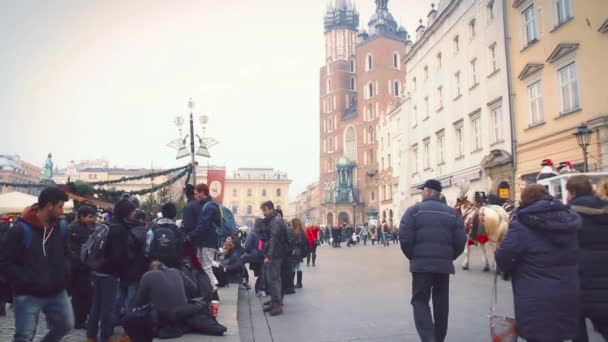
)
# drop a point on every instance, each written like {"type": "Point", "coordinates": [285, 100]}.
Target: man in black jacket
{"type": "Point", "coordinates": [593, 256]}
{"type": "Point", "coordinates": [432, 236]}
{"type": "Point", "coordinates": [275, 251]}
{"type": "Point", "coordinates": [80, 281]}
{"type": "Point", "coordinates": [35, 258]}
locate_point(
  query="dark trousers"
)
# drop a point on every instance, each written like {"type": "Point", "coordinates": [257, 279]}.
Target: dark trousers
{"type": "Point", "coordinates": [273, 279]}
{"type": "Point", "coordinates": [101, 316]}
{"type": "Point", "coordinates": [312, 254]}
{"type": "Point", "coordinates": [431, 327]}
{"type": "Point", "coordinates": [286, 277]}
{"type": "Point", "coordinates": [600, 324]}
{"type": "Point", "coordinates": [82, 295]}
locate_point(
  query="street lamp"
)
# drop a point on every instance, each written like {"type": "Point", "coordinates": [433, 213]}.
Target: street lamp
{"type": "Point", "coordinates": [583, 137]}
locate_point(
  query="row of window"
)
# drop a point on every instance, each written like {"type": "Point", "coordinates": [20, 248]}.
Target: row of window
{"type": "Point", "coordinates": [493, 67]}
{"type": "Point", "coordinates": [569, 93]}
{"type": "Point", "coordinates": [369, 62]}
{"type": "Point", "coordinates": [235, 208]}
{"type": "Point", "coordinates": [497, 135]}
{"type": "Point", "coordinates": [264, 192]}
{"type": "Point", "coordinates": [562, 13]}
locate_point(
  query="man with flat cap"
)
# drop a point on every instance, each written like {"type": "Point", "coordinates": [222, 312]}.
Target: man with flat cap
{"type": "Point", "coordinates": [432, 236]}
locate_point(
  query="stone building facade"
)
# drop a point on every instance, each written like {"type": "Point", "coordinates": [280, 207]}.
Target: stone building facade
{"type": "Point", "coordinates": [15, 170]}
{"type": "Point", "coordinates": [455, 109]}
{"type": "Point", "coordinates": [247, 188]}
{"type": "Point", "coordinates": [361, 80]}
{"type": "Point", "coordinates": [559, 50]}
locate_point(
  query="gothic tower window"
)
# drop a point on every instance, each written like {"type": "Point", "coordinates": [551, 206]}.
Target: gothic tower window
{"type": "Point", "coordinates": [369, 62]}
{"type": "Point", "coordinates": [352, 65]}
{"type": "Point", "coordinates": [396, 88]}
{"type": "Point", "coordinates": [396, 60]}
{"type": "Point", "coordinates": [350, 143]}
{"type": "Point", "coordinates": [352, 83]}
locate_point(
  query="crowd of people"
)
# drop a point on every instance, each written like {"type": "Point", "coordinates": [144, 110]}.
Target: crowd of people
{"type": "Point", "coordinates": [383, 235]}
{"type": "Point", "coordinates": [154, 277]}
{"type": "Point", "coordinates": [556, 256]}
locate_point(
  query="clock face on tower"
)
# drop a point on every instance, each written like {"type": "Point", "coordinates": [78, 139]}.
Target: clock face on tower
{"type": "Point", "coordinates": [215, 189]}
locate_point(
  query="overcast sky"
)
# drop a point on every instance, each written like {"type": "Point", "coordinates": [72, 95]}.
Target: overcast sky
{"type": "Point", "coordinates": [92, 79]}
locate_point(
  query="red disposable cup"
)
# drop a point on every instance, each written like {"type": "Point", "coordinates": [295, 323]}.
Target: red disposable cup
{"type": "Point", "coordinates": [214, 307]}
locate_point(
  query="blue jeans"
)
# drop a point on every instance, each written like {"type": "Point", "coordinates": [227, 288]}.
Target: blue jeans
{"type": "Point", "coordinates": [125, 301]}
{"type": "Point", "coordinates": [101, 317]}
{"type": "Point", "coordinates": [56, 308]}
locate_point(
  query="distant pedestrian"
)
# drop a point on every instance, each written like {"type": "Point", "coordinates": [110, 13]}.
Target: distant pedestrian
{"type": "Point", "coordinates": [364, 234]}
{"type": "Point", "coordinates": [373, 234]}
{"type": "Point", "coordinates": [593, 255]}
{"type": "Point", "coordinates": [313, 236]}
{"type": "Point", "coordinates": [540, 251]}
{"type": "Point", "coordinates": [300, 251]}
{"type": "Point", "coordinates": [34, 259]}
{"type": "Point", "coordinates": [432, 236]}
{"type": "Point", "coordinates": [254, 254]}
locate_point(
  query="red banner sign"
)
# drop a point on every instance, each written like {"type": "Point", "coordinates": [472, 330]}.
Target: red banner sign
{"type": "Point", "coordinates": [216, 180]}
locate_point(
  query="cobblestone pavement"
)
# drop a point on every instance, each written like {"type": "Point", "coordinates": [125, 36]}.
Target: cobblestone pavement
{"type": "Point", "coordinates": [363, 294]}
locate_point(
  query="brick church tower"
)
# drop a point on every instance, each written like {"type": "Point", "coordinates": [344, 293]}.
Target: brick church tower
{"type": "Point", "coordinates": [362, 77]}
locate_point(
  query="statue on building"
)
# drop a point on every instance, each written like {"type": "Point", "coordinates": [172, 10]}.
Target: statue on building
{"type": "Point", "coordinates": [381, 4]}
{"type": "Point", "coordinates": [47, 174]}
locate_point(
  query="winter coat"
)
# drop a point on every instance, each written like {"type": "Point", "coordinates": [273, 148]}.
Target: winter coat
{"type": "Point", "coordinates": [79, 234]}
{"type": "Point", "coordinates": [117, 250]}
{"type": "Point", "coordinates": [192, 213]}
{"type": "Point", "coordinates": [312, 235]}
{"type": "Point", "coordinates": [253, 254]}
{"type": "Point", "coordinates": [540, 250]}
{"type": "Point", "coordinates": [204, 234]}
{"type": "Point", "coordinates": [278, 243]}
{"type": "Point", "coordinates": [300, 247]}
{"type": "Point", "coordinates": [593, 254]}
{"type": "Point", "coordinates": [42, 268]}
{"type": "Point", "coordinates": [432, 236]}
{"type": "Point", "coordinates": [373, 234]}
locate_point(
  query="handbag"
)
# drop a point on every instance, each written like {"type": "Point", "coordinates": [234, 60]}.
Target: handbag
{"type": "Point", "coordinates": [502, 328]}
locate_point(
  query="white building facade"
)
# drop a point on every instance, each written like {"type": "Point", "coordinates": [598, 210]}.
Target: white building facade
{"type": "Point", "coordinates": [455, 112]}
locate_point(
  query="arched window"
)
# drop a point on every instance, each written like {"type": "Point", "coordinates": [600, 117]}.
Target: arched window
{"type": "Point", "coordinates": [370, 90]}
{"type": "Point", "coordinates": [352, 83]}
{"type": "Point", "coordinates": [396, 88]}
{"type": "Point", "coordinates": [352, 65]}
{"type": "Point", "coordinates": [330, 125]}
{"type": "Point", "coordinates": [350, 143]}
{"type": "Point", "coordinates": [396, 60]}
{"type": "Point", "coordinates": [328, 86]}
{"type": "Point", "coordinates": [370, 62]}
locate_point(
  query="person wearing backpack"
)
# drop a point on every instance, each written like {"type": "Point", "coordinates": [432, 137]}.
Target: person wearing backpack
{"type": "Point", "coordinates": [164, 241]}
{"type": "Point", "coordinates": [111, 265]}
{"type": "Point", "coordinates": [34, 258]}
{"type": "Point", "coordinates": [80, 281]}
{"type": "Point", "coordinates": [204, 236]}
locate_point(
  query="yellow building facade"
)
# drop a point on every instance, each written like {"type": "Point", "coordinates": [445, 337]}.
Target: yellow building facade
{"type": "Point", "coordinates": [247, 188]}
{"type": "Point", "coordinates": [558, 51]}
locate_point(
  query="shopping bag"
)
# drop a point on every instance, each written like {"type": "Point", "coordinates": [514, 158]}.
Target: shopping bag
{"type": "Point", "coordinates": [502, 328]}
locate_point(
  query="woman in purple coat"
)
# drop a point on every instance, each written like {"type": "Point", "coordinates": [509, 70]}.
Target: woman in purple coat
{"type": "Point", "coordinates": [540, 250]}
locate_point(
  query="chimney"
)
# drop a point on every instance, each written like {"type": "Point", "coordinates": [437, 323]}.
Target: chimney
{"type": "Point", "coordinates": [420, 30]}
{"type": "Point", "coordinates": [431, 16]}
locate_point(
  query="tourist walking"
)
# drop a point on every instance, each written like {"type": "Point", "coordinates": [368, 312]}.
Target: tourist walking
{"type": "Point", "coordinates": [373, 234]}
{"type": "Point", "coordinates": [327, 234]}
{"type": "Point", "coordinates": [364, 234]}
{"type": "Point", "coordinates": [593, 255]}
{"type": "Point", "coordinates": [432, 236]}
{"type": "Point", "coordinates": [274, 257]}
{"type": "Point", "coordinates": [34, 258]}
{"type": "Point", "coordinates": [80, 277]}
{"type": "Point", "coordinates": [540, 251]}
{"type": "Point", "coordinates": [312, 235]}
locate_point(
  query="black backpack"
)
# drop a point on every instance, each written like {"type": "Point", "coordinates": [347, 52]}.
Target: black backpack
{"type": "Point", "coordinates": [166, 244]}
{"type": "Point", "coordinates": [93, 252]}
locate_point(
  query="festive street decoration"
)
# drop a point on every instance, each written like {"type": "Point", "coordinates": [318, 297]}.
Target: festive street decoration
{"type": "Point", "coordinates": [86, 188]}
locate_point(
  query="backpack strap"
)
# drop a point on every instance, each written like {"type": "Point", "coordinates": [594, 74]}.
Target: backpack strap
{"type": "Point", "coordinates": [28, 232]}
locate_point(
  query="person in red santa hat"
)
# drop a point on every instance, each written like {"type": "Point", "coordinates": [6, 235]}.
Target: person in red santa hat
{"type": "Point", "coordinates": [547, 170]}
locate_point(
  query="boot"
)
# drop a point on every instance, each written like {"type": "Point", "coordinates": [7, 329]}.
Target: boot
{"type": "Point", "coordinates": [276, 309]}
{"type": "Point", "coordinates": [292, 278]}
{"type": "Point", "coordinates": [299, 283]}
